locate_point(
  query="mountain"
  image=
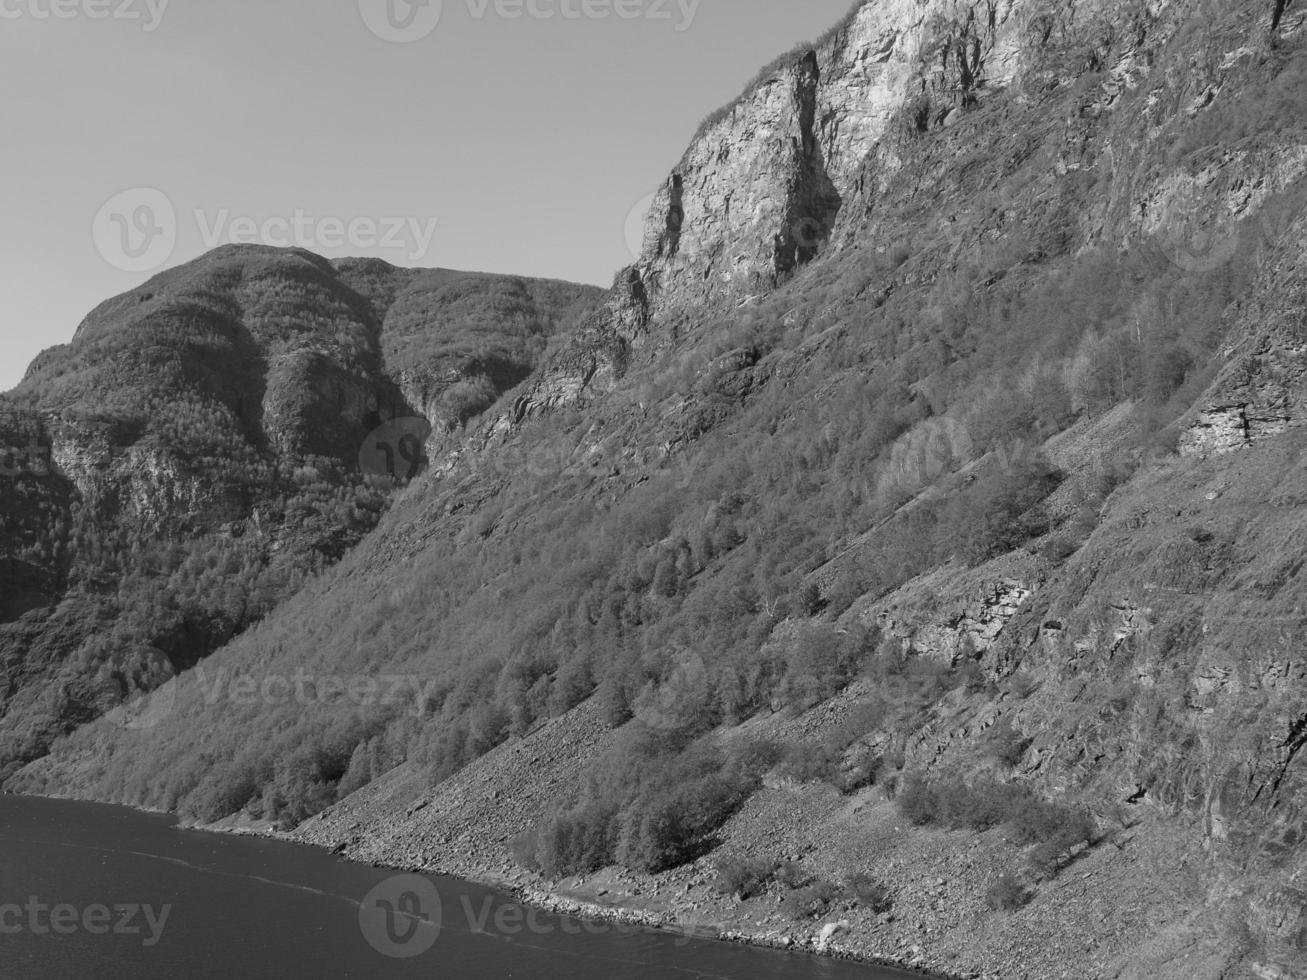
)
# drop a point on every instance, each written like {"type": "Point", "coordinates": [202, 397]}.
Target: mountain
{"type": "Point", "coordinates": [198, 452]}
{"type": "Point", "coordinates": [903, 558]}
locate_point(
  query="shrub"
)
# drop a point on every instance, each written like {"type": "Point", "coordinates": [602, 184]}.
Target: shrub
{"type": "Point", "coordinates": [995, 514]}
{"type": "Point", "coordinates": [575, 843]}
{"type": "Point", "coordinates": [792, 875]}
{"type": "Point", "coordinates": [1006, 744]}
{"type": "Point", "coordinates": [1045, 859]}
{"type": "Point", "coordinates": [667, 829]}
{"type": "Point", "coordinates": [860, 721]}
{"type": "Point", "coordinates": [1052, 823]}
{"type": "Point", "coordinates": [953, 800]}
{"type": "Point", "coordinates": [757, 755]}
{"type": "Point", "coordinates": [871, 893]}
{"type": "Point", "coordinates": [1007, 894]}
{"type": "Point", "coordinates": [918, 802]}
{"type": "Point", "coordinates": [821, 661]}
{"type": "Point", "coordinates": [986, 804]}
{"type": "Point", "coordinates": [654, 802]}
{"type": "Point", "coordinates": [887, 775]}
{"type": "Point", "coordinates": [810, 601]}
{"type": "Point", "coordinates": [744, 878]}
{"type": "Point", "coordinates": [981, 806]}
{"type": "Point", "coordinates": [806, 763]}
{"type": "Point", "coordinates": [814, 901]}
{"type": "Point", "coordinates": [525, 848]}
{"type": "Point", "coordinates": [858, 770]}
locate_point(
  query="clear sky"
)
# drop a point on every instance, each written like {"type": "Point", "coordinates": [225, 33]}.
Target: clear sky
{"type": "Point", "coordinates": [497, 135]}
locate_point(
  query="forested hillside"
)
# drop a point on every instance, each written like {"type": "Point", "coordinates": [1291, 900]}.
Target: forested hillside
{"type": "Point", "coordinates": [199, 452]}
{"type": "Point", "coordinates": [930, 486]}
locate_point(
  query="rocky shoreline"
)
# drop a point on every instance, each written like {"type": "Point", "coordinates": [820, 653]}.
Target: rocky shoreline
{"type": "Point", "coordinates": [670, 922]}
{"type": "Point", "coordinates": [666, 918]}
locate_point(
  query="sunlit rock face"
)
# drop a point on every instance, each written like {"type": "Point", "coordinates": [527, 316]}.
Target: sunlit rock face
{"type": "Point", "coordinates": [763, 186]}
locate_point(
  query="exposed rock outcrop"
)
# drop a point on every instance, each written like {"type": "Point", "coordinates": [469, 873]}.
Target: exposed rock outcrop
{"type": "Point", "coordinates": [968, 632]}
{"type": "Point", "coordinates": [761, 189]}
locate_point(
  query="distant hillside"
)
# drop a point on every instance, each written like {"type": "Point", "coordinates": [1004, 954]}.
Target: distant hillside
{"type": "Point", "coordinates": [198, 452]}
{"type": "Point", "coordinates": [910, 542]}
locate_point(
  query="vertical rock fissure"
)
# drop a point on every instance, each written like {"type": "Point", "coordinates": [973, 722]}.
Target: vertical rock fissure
{"type": "Point", "coordinates": [1293, 745]}
{"type": "Point", "coordinates": [670, 240]}
{"type": "Point", "coordinates": [813, 203]}
{"type": "Point", "coordinates": [1280, 7]}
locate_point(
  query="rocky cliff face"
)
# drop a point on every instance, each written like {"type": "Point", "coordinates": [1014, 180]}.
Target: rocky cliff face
{"type": "Point", "coordinates": [800, 162]}
{"type": "Point", "coordinates": [763, 187]}
{"type": "Point", "coordinates": [1260, 392]}
{"type": "Point", "coordinates": [769, 180]}
{"type": "Point", "coordinates": [1198, 621]}
{"type": "Point", "coordinates": [969, 631]}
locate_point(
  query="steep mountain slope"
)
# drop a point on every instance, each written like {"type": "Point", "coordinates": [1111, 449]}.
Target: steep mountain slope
{"type": "Point", "coordinates": [198, 450]}
{"type": "Point", "coordinates": [921, 509]}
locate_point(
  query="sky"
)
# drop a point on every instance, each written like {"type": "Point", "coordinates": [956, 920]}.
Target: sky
{"type": "Point", "coordinates": [514, 136]}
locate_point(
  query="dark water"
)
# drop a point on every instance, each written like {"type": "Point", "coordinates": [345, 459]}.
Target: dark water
{"type": "Point", "coordinates": [105, 893]}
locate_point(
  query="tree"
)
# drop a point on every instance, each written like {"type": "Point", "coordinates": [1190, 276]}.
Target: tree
{"type": "Point", "coordinates": [614, 705]}
{"type": "Point", "coordinates": [666, 582]}
{"type": "Point", "coordinates": [810, 600]}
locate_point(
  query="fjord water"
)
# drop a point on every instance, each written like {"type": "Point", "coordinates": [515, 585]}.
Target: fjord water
{"type": "Point", "coordinates": [204, 905]}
